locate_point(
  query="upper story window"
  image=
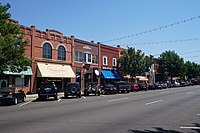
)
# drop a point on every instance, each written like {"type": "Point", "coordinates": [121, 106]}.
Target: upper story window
{"type": "Point", "coordinates": [94, 59]}
{"type": "Point", "coordinates": [78, 56]}
{"type": "Point", "coordinates": [88, 58]}
{"type": "Point", "coordinates": [114, 62]}
{"type": "Point", "coordinates": [61, 53]}
{"type": "Point", "coordinates": [47, 51]}
{"type": "Point", "coordinates": [105, 60]}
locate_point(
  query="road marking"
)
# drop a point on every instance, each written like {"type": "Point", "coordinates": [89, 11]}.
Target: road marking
{"type": "Point", "coordinates": [25, 103]}
{"type": "Point", "coordinates": [153, 102]}
{"type": "Point", "coordinates": [190, 127]}
{"type": "Point", "coordinates": [113, 100]}
{"type": "Point", "coordinates": [190, 93]}
{"type": "Point", "coordinates": [198, 114]}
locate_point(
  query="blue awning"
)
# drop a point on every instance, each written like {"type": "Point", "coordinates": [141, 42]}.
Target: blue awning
{"type": "Point", "coordinates": [108, 74]}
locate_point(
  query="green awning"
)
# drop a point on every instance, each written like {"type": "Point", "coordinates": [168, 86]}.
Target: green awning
{"type": "Point", "coordinates": [28, 71]}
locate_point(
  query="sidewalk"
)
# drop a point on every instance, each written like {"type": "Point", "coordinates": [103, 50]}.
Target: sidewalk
{"type": "Point", "coordinates": [32, 97]}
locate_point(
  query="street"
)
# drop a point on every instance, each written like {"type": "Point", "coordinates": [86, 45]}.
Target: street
{"type": "Point", "coordinates": [174, 110]}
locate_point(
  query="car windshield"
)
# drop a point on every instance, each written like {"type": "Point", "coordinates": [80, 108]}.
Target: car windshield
{"type": "Point", "coordinates": [47, 86]}
{"type": "Point", "coordinates": [72, 85]}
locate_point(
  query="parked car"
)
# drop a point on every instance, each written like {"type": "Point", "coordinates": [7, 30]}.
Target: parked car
{"type": "Point", "coordinates": [143, 86]}
{"type": "Point", "coordinates": [160, 85]}
{"type": "Point", "coordinates": [122, 87]}
{"type": "Point", "coordinates": [151, 86]}
{"type": "Point", "coordinates": [47, 90]}
{"type": "Point", "coordinates": [175, 84]}
{"type": "Point", "coordinates": [92, 88]}
{"type": "Point", "coordinates": [134, 86]}
{"type": "Point", "coordinates": [72, 89]}
{"type": "Point", "coordinates": [108, 89]}
{"type": "Point", "coordinates": [11, 95]}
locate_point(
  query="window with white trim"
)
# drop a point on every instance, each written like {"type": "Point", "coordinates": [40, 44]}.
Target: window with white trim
{"type": "Point", "coordinates": [47, 51]}
{"type": "Point", "coordinates": [61, 53]}
{"type": "Point", "coordinates": [88, 58]}
{"type": "Point", "coordinates": [105, 60]}
{"type": "Point", "coordinates": [114, 62]}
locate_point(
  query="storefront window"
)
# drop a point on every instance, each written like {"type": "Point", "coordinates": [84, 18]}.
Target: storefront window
{"type": "Point", "coordinates": [19, 81]}
{"type": "Point", "coordinates": [61, 53]}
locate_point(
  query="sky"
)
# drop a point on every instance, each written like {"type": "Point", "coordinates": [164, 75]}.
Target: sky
{"type": "Point", "coordinates": [103, 20]}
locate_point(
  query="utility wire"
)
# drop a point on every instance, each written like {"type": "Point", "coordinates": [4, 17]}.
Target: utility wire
{"type": "Point", "coordinates": [161, 42]}
{"type": "Point", "coordinates": [190, 52]}
{"type": "Point", "coordinates": [152, 30]}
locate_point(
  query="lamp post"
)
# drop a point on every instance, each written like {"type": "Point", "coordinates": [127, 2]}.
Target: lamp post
{"type": "Point", "coordinates": [83, 72]}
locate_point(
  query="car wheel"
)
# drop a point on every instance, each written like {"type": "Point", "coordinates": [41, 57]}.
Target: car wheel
{"type": "Point", "coordinates": [56, 97]}
{"type": "Point", "coordinates": [15, 101]}
{"type": "Point", "coordinates": [66, 96]}
{"type": "Point", "coordinates": [23, 99]}
{"type": "Point", "coordinates": [78, 95]}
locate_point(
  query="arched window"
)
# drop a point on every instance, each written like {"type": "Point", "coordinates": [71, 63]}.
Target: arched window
{"type": "Point", "coordinates": [61, 53]}
{"type": "Point", "coordinates": [47, 51]}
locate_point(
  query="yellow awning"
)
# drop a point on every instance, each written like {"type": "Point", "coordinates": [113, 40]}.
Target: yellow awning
{"type": "Point", "coordinates": [55, 70]}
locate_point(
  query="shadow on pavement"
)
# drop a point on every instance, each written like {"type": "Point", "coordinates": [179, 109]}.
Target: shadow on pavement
{"type": "Point", "coordinates": [44, 100]}
{"type": "Point", "coordinates": [157, 130]}
{"type": "Point", "coordinates": [196, 125]}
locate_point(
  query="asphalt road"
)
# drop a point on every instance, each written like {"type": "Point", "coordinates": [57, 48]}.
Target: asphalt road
{"type": "Point", "coordinates": [173, 110]}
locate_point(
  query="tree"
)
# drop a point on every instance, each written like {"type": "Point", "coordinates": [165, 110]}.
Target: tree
{"type": "Point", "coordinates": [171, 64]}
{"type": "Point", "coordinates": [134, 62]}
{"type": "Point", "coordinates": [192, 70]}
{"type": "Point", "coordinates": [11, 43]}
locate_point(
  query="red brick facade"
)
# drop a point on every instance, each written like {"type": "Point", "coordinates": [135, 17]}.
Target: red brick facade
{"type": "Point", "coordinates": [36, 39]}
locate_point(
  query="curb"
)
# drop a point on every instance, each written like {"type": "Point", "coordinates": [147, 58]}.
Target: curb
{"type": "Point", "coordinates": [33, 97]}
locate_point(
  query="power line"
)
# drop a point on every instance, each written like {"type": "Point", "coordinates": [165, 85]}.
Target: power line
{"type": "Point", "coordinates": [190, 52]}
{"type": "Point", "coordinates": [165, 42]}
{"type": "Point", "coordinates": [152, 30]}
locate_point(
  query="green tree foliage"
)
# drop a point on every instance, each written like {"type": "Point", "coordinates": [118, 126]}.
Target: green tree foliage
{"type": "Point", "coordinates": [134, 62]}
{"type": "Point", "coordinates": [171, 64]}
{"type": "Point", "coordinates": [192, 70]}
{"type": "Point", "coordinates": [11, 43]}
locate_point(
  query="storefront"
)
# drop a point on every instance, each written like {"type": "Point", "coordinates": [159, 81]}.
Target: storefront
{"type": "Point", "coordinates": [58, 73]}
{"type": "Point", "coordinates": [110, 76]}
{"type": "Point", "coordinates": [86, 75]}
{"type": "Point", "coordinates": [20, 79]}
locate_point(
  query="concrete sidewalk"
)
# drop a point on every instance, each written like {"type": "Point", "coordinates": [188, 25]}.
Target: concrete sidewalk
{"type": "Point", "coordinates": [32, 97]}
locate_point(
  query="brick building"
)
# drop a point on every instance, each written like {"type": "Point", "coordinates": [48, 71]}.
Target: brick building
{"type": "Point", "coordinates": [61, 59]}
{"type": "Point", "coordinates": [52, 57]}
{"type": "Point", "coordinates": [86, 62]}
{"type": "Point", "coordinates": [109, 65]}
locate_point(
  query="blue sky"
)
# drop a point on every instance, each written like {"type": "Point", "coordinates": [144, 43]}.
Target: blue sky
{"type": "Point", "coordinates": [102, 20]}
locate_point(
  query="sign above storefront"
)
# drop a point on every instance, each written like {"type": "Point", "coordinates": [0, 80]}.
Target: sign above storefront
{"type": "Point", "coordinates": [86, 47]}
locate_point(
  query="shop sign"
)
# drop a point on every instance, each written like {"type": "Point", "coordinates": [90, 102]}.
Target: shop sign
{"type": "Point", "coordinates": [56, 69]}
{"type": "Point", "coordinates": [86, 47]}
